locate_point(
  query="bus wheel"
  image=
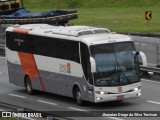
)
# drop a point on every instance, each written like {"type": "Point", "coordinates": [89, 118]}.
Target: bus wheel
{"type": "Point", "coordinates": [29, 86]}
{"type": "Point", "coordinates": [78, 97]}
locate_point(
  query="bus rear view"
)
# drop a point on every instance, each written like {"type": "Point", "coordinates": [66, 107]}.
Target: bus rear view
{"type": "Point", "coordinates": [82, 62]}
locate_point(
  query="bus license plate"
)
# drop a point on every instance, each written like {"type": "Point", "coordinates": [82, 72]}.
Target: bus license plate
{"type": "Point", "coordinates": [120, 97]}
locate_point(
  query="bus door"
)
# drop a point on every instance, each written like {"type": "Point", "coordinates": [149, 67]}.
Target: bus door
{"type": "Point", "coordinates": [87, 71]}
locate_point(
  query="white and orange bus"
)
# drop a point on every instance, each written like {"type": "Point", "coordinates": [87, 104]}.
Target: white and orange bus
{"type": "Point", "coordinates": [86, 63]}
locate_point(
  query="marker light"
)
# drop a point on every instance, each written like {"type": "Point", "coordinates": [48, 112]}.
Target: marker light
{"type": "Point", "coordinates": [101, 92]}
{"type": "Point", "coordinates": [136, 89]}
{"type": "Point", "coordinates": [97, 98]}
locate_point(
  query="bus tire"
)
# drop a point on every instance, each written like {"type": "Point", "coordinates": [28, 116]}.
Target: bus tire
{"type": "Point", "coordinates": [28, 85]}
{"type": "Point", "coordinates": [78, 97]}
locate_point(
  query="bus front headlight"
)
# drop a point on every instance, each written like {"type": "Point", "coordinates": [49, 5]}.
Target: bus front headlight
{"type": "Point", "coordinates": [135, 89]}
{"type": "Point", "coordinates": [101, 92]}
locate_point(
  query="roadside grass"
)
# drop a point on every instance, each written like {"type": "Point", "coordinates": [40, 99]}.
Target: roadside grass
{"type": "Point", "coordinates": [116, 15]}
{"type": "Point", "coordinates": [130, 19]}
{"type": "Point", "coordinates": [51, 4]}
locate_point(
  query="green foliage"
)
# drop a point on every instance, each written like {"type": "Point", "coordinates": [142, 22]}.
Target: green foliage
{"type": "Point", "coordinates": [74, 3]}
{"type": "Point", "coordinates": [118, 3]}
{"type": "Point", "coordinates": [39, 4]}
{"type": "Point", "coordinates": [116, 15]}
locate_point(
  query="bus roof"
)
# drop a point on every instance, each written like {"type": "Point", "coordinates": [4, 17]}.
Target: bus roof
{"type": "Point", "coordinates": [85, 34]}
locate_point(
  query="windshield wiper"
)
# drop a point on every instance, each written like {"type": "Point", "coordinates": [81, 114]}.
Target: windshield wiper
{"type": "Point", "coordinates": [121, 71]}
{"type": "Point", "coordinates": [104, 74]}
{"type": "Point", "coordinates": [115, 71]}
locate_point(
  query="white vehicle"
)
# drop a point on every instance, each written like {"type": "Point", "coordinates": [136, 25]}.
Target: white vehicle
{"type": "Point", "coordinates": [86, 63]}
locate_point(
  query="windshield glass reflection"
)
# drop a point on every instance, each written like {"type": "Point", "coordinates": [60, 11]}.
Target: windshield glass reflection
{"type": "Point", "coordinates": [116, 64]}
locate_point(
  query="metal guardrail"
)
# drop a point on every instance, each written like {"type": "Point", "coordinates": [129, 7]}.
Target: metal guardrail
{"type": "Point", "coordinates": [150, 69]}
{"type": "Point", "coordinates": [2, 46]}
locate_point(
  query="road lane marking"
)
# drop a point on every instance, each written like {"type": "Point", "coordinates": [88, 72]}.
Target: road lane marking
{"type": "Point", "coordinates": [154, 102]}
{"type": "Point", "coordinates": [2, 57]}
{"type": "Point", "coordinates": [1, 110]}
{"type": "Point", "coordinates": [14, 95]}
{"type": "Point", "coordinates": [76, 109]}
{"type": "Point", "coordinates": [114, 118]}
{"type": "Point", "coordinates": [145, 37]}
{"type": "Point", "coordinates": [143, 44]}
{"type": "Point", "coordinates": [50, 103]}
{"type": "Point", "coordinates": [150, 81]}
{"type": "Point", "coordinates": [28, 118]}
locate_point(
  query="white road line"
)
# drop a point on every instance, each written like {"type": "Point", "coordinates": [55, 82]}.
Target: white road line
{"type": "Point", "coordinates": [1, 110]}
{"type": "Point", "coordinates": [114, 118]}
{"type": "Point", "coordinates": [154, 102]}
{"type": "Point", "coordinates": [28, 118]}
{"type": "Point", "coordinates": [143, 44]}
{"type": "Point", "coordinates": [76, 109]}
{"type": "Point", "coordinates": [50, 103]}
{"type": "Point", "coordinates": [150, 81]}
{"type": "Point", "coordinates": [145, 37]}
{"type": "Point", "coordinates": [14, 95]}
{"type": "Point", "coordinates": [2, 57]}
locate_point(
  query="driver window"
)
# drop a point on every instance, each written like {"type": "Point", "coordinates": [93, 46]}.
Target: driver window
{"type": "Point", "coordinates": [86, 63]}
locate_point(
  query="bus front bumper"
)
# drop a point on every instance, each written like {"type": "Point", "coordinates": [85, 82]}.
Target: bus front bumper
{"type": "Point", "coordinates": [115, 97]}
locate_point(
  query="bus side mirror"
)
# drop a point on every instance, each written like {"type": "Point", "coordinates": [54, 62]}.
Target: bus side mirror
{"type": "Point", "coordinates": [93, 64]}
{"type": "Point", "coordinates": [143, 58]}
{"type": "Point", "coordinates": [137, 53]}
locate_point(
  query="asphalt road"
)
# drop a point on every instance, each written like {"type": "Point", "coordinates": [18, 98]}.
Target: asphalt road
{"type": "Point", "coordinates": [146, 39]}
{"type": "Point", "coordinates": [151, 47]}
{"type": "Point", "coordinates": [11, 94]}
{"type": "Point", "coordinates": [149, 101]}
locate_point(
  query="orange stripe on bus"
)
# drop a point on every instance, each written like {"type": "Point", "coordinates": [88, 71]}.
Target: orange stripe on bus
{"type": "Point", "coordinates": [20, 30]}
{"type": "Point", "coordinates": [29, 66]}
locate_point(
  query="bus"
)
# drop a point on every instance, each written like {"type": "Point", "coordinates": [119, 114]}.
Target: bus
{"type": "Point", "coordinates": [86, 63]}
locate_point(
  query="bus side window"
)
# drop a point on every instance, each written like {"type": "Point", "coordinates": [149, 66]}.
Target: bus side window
{"type": "Point", "coordinates": [85, 62]}
{"type": "Point", "coordinates": [73, 51]}
{"type": "Point", "coordinates": [69, 50]}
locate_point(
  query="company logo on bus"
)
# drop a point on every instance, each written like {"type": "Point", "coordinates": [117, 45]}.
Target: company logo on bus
{"type": "Point", "coordinates": [65, 68]}
{"type": "Point", "coordinates": [69, 68]}
{"type": "Point", "coordinates": [119, 88]}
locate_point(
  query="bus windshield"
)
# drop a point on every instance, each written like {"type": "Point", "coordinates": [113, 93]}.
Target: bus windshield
{"type": "Point", "coordinates": [116, 64]}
